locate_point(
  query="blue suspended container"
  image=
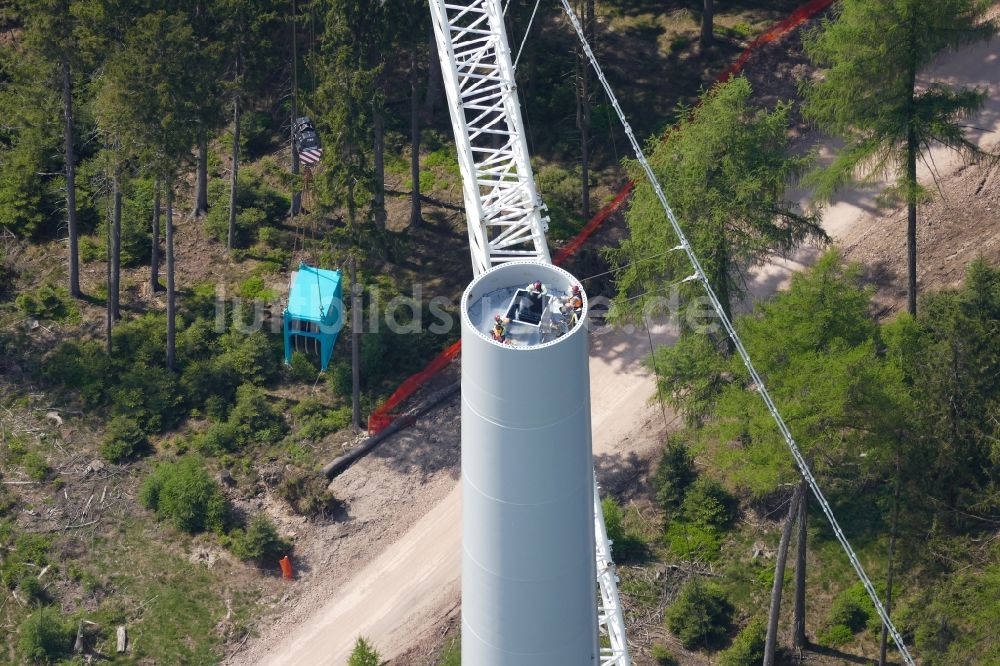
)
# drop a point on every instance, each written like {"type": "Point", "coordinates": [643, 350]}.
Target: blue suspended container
{"type": "Point", "coordinates": [315, 312]}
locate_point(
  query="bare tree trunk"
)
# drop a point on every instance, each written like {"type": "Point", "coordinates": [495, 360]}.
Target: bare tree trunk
{"type": "Point", "coordinates": [583, 124]}
{"type": "Point", "coordinates": [356, 324]}
{"type": "Point", "coordinates": [720, 278]}
{"type": "Point", "coordinates": [799, 623]}
{"type": "Point", "coordinates": [201, 175]}
{"type": "Point", "coordinates": [707, 18]}
{"type": "Point", "coordinates": [779, 578]}
{"type": "Point", "coordinates": [154, 260]}
{"type": "Point", "coordinates": [108, 319]}
{"type": "Point", "coordinates": [590, 29]}
{"type": "Point", "coordinates": [70, 138]}
{"type": "Point", "coordinates": [296, 195]}
{"type": "Point", "coordinates": [116, 247]}
{"type": "Point", "coordinates": [171, 296]}
{"type": "Point", "coordinates": [378, 203]}
{"type": "Point", "coordinates": [352, 207]}
{"type": "Point", "coordinates": [912, 146]}
{"type": "Point", "coordinates": [890, 570]}
{"type": "Point", "coordinates": [434, 83]}
{"type": "Point", "coordinates": [113, 254]}
{"type": "Point", "coordinates": [234, 175]}
{"type": "Point", "coordinates": [911, 223]}
{"type": "Point", "coordinates": [415, 218]}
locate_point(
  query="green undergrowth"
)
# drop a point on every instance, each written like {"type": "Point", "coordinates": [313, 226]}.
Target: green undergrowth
{"type": "Point", "coordinates": [856, 392]}
{"type": "Point", "coordinates": [175, 610]}
{"type": "Point", "coordinates": [173, 607]}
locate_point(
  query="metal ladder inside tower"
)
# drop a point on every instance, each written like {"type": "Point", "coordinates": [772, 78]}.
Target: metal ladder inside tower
{"type": "Point", "coordinates": [505, 214]}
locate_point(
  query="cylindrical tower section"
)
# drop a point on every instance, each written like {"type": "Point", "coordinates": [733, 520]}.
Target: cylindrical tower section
{"type": "Point", "coordinates": [528, 578]}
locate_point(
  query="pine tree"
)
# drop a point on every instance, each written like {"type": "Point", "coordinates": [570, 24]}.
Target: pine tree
{"type": "Point", "coordinates": [364, 654]}
{"type": "Point", "coordinates": [725, 170]}
{"type": "Point", "coordinates": [872, 54]}
{"type": "Point", "coordinates": [250, 27]}
{"type": "Point", "coordinates": [49, 31]}
{"type": "Point", "coordinates": [349, 98]}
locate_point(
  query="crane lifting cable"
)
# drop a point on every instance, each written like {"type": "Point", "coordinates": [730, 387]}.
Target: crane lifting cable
{"type": "Point", "coordinates": [527, 31]}
{"type": "Point", "coordinates": [738, 344]}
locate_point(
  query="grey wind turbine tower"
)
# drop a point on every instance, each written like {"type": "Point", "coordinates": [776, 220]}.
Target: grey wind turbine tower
{"type": "Point", "coordinates": [538, 583]}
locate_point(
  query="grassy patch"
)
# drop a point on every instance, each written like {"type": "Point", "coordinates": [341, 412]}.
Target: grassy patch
{"type": "Point", "coordinates": [172, 607]}
{"type": "Point", "coordinates": [48, 303]}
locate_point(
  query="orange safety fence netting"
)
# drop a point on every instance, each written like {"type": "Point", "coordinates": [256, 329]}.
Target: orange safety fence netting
{"type": "Point", "coordinates": [779, 29]}
{"type": "Point", "coordinates": [575, 243]}
{"type": "Point", "coordinates": [386, 413]}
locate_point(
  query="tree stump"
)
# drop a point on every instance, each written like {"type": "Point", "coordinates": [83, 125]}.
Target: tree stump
{"type": "Point", "coordinates": [78, 643]}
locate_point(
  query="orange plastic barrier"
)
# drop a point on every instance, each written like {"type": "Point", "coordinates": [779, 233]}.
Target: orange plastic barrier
{"type": "Point", "coordinates": [384, 414]}
{"type": "Point", "coordinates": [286, 568]}
{"type": "Point", "coordinates": [570, 248]}
{"type": "Point", "coordinates": [779, 29]}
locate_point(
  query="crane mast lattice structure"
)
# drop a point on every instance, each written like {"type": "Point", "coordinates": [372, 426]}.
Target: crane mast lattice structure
{"type": "Point", "coordinates": [504, 211]}
{"type": "Point", "coordinates": [505, 214]}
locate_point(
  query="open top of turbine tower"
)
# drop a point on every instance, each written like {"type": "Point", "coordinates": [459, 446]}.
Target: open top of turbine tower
{"type": "Point", "coordinates": [530, 317]}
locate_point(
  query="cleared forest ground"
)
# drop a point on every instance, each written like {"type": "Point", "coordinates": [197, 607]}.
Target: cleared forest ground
{"type": "Point", "coordinates": [957, 227]}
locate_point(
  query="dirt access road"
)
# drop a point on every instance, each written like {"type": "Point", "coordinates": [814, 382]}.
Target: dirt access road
{"type": "Point", "coordinates": [414, 584]}
{"type": "Point", "coordinates": [406, 591]}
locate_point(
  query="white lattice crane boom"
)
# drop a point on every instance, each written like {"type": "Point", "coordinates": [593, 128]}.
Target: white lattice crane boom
{"type": "Point", "coordinates": [503, 208]}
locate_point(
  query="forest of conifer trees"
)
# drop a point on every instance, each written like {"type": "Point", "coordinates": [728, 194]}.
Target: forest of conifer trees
{"type": "Point", "coordinates": [158, 460]}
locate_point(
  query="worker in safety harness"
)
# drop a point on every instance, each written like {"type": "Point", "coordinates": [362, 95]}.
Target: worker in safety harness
{"type": "Point", "coordinates": [536, 289]}
{"type": "Point", "coordinates": [499, 332]}
{"type": "Point", "coordinates": [575, 303]}
{"type": "Point", "coordinates": [575, 300]}
{"type": "Point", "coordinates": [530, 305]}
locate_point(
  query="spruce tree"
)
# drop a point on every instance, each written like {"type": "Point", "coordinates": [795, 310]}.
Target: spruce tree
{"type": "Point", "coordinates": [348, 98]}
{"type": "Point", "coordinates": [871, 54]}
{"type": "Point", "coordinates": [150, 101]}
{"type": "Point", "coordinates": [49, 32]}
{"type": "Point", "coordinates": [724, 169]}
{"type": "Point", "coordinates": [364, 654]}
{"type": "Point", "coordinates": [250, 28]}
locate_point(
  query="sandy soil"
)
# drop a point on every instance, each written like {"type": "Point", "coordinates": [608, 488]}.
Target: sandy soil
{"type": "Point", "coordinates": [957, 225]}
{"type": "Point", "coordinates": [390, 571]}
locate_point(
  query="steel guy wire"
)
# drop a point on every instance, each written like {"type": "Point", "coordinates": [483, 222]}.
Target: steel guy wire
{"type": "Point", "coordinates": [741, 350]}
{"type": "Point", "coordinates": [616, 269]}
{"type": "Point", "coordinates": [527, 30]}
